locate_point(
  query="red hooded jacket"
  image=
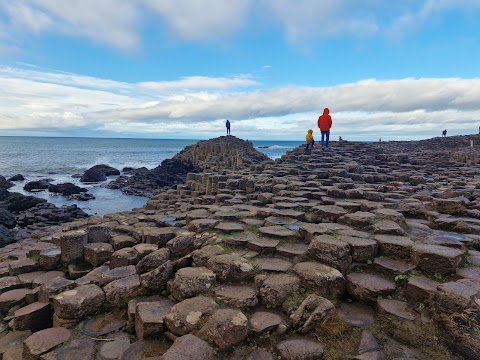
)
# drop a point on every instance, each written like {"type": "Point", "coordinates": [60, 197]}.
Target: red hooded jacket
{"type": "Point", "coordinates": [325, 121]}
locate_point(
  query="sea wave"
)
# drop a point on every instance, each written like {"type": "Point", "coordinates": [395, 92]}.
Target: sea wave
{"type": "Point", "coordinates": [275, 147]}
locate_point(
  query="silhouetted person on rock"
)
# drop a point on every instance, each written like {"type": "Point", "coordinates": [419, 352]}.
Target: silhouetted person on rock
{"type": "Point", "coordinates": [227, 124]}
{"type": "Point", "coordinates": [444, 133]}
{"type": "Point", "coordinates": [325, 124]}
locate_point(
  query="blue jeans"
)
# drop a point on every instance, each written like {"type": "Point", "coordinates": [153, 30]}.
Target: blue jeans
{"type": "Point", "coordinates": [325, 138]}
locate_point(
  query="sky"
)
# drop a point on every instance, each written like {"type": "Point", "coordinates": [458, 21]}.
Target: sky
{"type": "Point", "coordinates": [177, 69]}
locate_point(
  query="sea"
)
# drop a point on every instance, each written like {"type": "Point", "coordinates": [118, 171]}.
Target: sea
{"type": "Point", "coordinates": [63, 159]}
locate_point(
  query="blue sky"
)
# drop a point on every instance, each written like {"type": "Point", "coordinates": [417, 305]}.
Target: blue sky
{"type": "Point", "coordinates": [179, 68]}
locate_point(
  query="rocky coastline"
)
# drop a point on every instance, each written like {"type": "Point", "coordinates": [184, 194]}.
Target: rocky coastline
{"type": "Point", "coordinates": [364, 251]}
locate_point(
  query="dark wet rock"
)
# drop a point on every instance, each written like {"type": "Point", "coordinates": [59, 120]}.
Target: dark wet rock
{"type": "Point", "coordinates": [17, 202]}
{"type": "Point", "coordinates": [18, 177]}
{"type": "Point", "coordinates": [4, 183]}
{"type": "Point", "coordinates": [98, 173]}
{"type": "Point", "coordinates": [37, 185]}
{"type": "Point", "coordinates": [45, 214]}
{"type": "Point", "coordinates": [6, 236]}
{"type": "Point", "coordinates": [66, 189]}
{"type": "Point", "coordinates": [7, 218]}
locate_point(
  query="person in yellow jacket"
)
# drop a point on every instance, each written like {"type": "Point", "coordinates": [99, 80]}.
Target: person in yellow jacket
{"type": "Point", "coordinates": [309, 140]}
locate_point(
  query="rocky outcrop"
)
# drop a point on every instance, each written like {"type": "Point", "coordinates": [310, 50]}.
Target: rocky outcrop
{"type": "Point", "coordinates": [37, 185]}
{"type": "Point", "coordinates": [343, 254]}
{"type": "Point", "coordinates": [98, 173]}
{"type": "Point", "coordinates": [66, 189]}
{"type": "Point", "coordinates": [215, 155]}
{"type": "Point", "coordinates": [4, 183]}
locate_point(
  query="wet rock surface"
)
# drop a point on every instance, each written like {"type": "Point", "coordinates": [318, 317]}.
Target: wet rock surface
{"type": "Point", "coordinates": [367, 251]}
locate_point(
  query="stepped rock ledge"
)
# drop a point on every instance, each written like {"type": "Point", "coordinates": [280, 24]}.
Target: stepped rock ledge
{"type": "Point", "coordinates": [364, 251]}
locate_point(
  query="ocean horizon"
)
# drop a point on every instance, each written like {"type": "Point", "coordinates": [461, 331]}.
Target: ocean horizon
{"type": "Point", "coordinates": [61, 159]}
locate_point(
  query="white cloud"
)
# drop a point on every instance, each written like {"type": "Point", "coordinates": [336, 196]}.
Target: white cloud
{"type": "Point", "coordinates": [311, 19]}
{"type": "Point", "coordinates": [118, 23]}
{"type": "Point", "coordinates": [111, 22]}
{"type": "Point", "coordinates": [202, 20]}
{"type": "Point", "coordinates": [368, 109]}
{"type": "Point", "coordinates": [412, 18]}
{"type": "Point", "coordinates": [198, 82]}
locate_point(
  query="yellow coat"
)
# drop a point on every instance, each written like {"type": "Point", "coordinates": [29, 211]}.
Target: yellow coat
{"type": "Point", "coordinates": [309, 137]}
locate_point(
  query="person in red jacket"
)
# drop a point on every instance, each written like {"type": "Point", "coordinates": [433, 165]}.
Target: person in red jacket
{"type": "Point", "coordinates": [324, 124]}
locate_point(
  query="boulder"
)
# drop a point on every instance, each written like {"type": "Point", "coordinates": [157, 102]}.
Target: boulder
{"type": "Point", "coordinates": [4, 183]}
{"type": "Point", "coordinates": [119, 292]}
{"type": "Point", "coordinates": [37, 185]}
{"type": "Point", "coordinates": [149, 318]}
{"type": "Point", "coordinates": [226, 328]}
{"type": "Point", "coordinates": [187, 315]}
{"type": "Point", "coordinates": [300, 348]}
{"type": "Point", "coordinates": [97, 253]}
{"type": "Point", "coordinates": [367, 287]}
{"type": "Point", "coordinates": [7, 218]}
{"type": "Point", "coordinates": [230, 268]}
{"type": "Point", "coordinates": [98, 173]}
{"type": "Point", "coordinates": [277, 288]}
{"type": "Point", "coordinates": [44, 341]}
{"type": "Point", "coordinates": [188, 347]}
{"type": "Point", "coordinates": [191, 281]}
{"type": "Point", "coordinates": [153, 260]}
{"type": "Point", "coordinates": [327, 281]}
{"type": "Point", "coordinates": [6, 236]}
{"type": "Point", "coordinates": [18, 177]}
{"type": "Point", "coordinates": [78, 303]}
{"type": "Point", "coordinates": [36, 316]}
{"type": "Point", "coordinates": [66, 189]}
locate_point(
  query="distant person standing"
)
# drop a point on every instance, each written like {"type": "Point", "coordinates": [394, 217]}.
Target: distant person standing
{"type": "Point", "coordinates": [227, 124]}
{"type": "Point", "coordinates": [325, 124]}
{"type": "Point", "coordinates": [444, 133]}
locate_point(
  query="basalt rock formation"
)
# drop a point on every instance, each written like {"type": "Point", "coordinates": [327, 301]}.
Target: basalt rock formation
{"type": "Point", "coordinates": [364, 251]}
{"type": "Point", "coordinates": [223, 153]}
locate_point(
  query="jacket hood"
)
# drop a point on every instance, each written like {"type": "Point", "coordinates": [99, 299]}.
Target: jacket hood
{"type": "Point", "coordinates": [310, 131]}
{"type": "Point", "coordinates": [326, 111]}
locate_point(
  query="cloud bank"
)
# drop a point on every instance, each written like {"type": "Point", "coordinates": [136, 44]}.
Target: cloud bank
{"type": "Point", "coordinates": [197, 107]}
